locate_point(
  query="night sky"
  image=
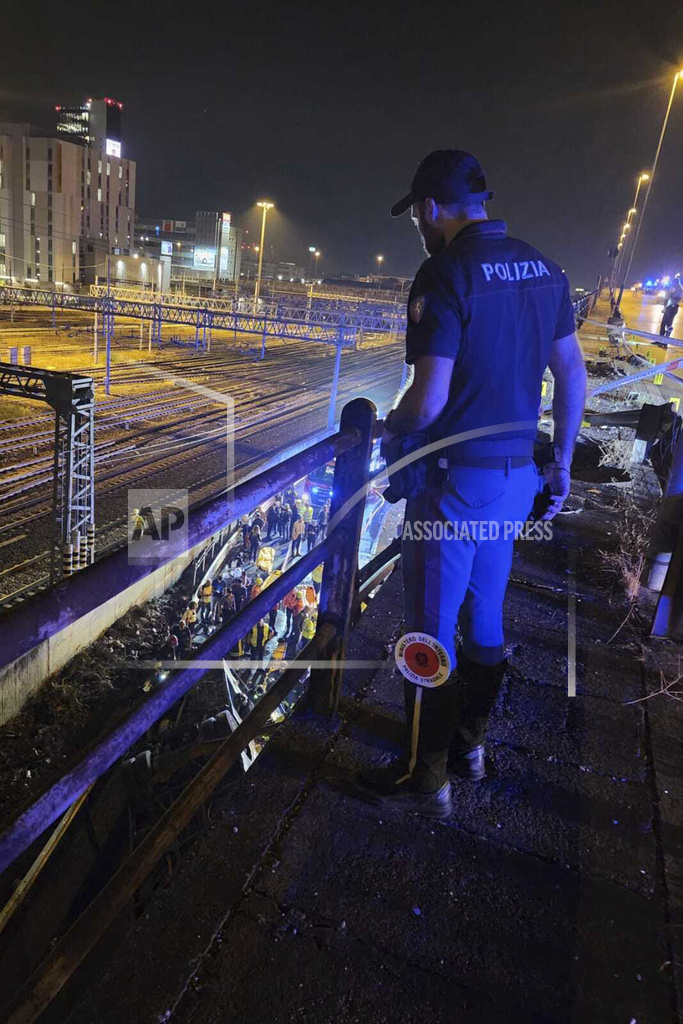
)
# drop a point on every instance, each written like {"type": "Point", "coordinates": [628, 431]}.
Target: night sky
{"type": "Point", "coordinates": [326, 109]}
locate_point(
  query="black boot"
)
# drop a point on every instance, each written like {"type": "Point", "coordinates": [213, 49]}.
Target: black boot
{"type": "Point", "coordinates": [426, 789]}
{"type": "Point", "coordinates": [478, 690]}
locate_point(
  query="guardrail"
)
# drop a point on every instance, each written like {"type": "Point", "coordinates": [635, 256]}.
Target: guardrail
{"type": "Point", "coordinates": [340, 598]}
{"type": "Point", "coordinates": [77, 596]}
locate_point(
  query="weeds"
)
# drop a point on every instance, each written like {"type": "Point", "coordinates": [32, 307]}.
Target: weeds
{"type": "Point", "coordinates": [633, 526]}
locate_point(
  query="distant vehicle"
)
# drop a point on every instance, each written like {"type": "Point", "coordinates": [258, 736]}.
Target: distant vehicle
{"type": "Point", "coordinates": [318, 484]}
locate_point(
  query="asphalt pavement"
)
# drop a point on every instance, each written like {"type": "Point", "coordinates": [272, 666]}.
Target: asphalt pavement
{"type": "Point", "coordinates": [553, 895]}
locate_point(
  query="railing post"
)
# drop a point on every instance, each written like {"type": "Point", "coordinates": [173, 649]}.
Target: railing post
{"type": "Point", "coordinates": [668, 523]}
{"type": "Point", "coordinates": [351, 475]}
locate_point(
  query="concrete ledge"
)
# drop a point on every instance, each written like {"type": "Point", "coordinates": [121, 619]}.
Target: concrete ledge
{"type": "Point", "coordinates": [21, 678]}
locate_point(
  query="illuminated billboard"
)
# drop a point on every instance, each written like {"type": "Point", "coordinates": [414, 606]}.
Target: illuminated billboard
{"type": "Point", "coordinates": [113, 147]}
{"type": "Point", "coordinates": [167, 248]}
{"type": "Point", "coordinates": [204, 257]}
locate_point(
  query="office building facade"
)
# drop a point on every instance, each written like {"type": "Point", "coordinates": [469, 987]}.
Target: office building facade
{"type": "Point", "coordinates": [203, 254]}
{"type": "Point", "coordinates": [64, 205]}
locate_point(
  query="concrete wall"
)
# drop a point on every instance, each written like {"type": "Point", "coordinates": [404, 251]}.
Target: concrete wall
{"type": "Point", "coordinates": [23, 677]}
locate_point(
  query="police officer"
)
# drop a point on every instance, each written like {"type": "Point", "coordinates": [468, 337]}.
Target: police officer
{"type": "Point", "coordinates": [486, 315]}
{"type": "Point", "coordinates": [673, 299]}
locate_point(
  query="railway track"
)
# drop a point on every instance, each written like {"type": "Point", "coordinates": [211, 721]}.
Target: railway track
{"type": "Point", "coordinates": [152, 440]}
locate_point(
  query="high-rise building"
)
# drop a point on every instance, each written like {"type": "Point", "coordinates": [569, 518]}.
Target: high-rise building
{"type": "Point", "coordinates": [95, 122]}
{"type": "Point", "coordinates": [66, 202]}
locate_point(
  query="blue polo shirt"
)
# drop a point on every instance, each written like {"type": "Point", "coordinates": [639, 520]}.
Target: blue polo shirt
{"type": "Point", "coordinates": [494, 305]}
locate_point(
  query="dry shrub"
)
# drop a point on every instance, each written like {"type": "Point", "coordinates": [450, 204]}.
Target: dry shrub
{"type": "Point", "coordinates": [616, 453]}
{"type": "Point", "coordinates": [633, 526]}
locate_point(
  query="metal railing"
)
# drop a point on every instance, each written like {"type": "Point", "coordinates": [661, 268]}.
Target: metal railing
{"type": "Point", "coordinates": [342, 590]}
{"type": "Point", "coordinates": [55, 609]}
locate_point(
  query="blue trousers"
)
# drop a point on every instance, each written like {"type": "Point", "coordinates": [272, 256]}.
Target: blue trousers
{"type": "Point", "coordinates": [456, 573]}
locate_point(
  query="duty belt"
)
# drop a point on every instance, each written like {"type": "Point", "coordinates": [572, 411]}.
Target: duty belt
{"type": "Point", "coordinates": [497, 453]}
{"type": "Point", "coordinates": [489, 461]}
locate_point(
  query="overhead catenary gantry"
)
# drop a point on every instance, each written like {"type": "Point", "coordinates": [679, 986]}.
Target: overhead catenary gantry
{"type": "Point", "coordinates": [331, 326]}
{"type": "Point", "coordinates": [71, 395]}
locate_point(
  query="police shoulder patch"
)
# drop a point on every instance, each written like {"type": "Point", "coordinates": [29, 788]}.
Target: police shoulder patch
{"type": "Point", "coordinates": [417, 307]}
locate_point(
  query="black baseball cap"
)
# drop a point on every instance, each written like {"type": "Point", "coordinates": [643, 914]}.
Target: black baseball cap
{"type": "Point", "coordinates": [447, 176]}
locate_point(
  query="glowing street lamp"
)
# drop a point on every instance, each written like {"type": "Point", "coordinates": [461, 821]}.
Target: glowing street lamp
{"type": "Point", "coordinates": [380, 261]}
{"type": "Point", "coordinates": [265, 206]}
{"type": "Point", "coordinates": [631, 213]}
{"type": "Point", "coordinates": [317, 254]}
{"type": "Point", "coordinates": [650, 178]}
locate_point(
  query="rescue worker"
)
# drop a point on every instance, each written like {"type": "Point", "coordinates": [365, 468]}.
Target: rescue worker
{"type": "Point", "coordinates": [317, 577]}
{"type": "Point", "coordinates": [498, 311]}
{"type": "Point", "coordinates": [307, 513]}
{"type": "Point", "coordinates": [311, 595]}
{"type": "Point", "coordinates": [308, 627]}
{"type": "Point", "coordinates": [137, 524]}
{"type": "Point", "coordinates": [673, 299]}
{"type": "Point", "coordinates": [205, 597]}
{"type": "Point", "coordinates": [256, 588]}
{"type": "Point", "coordinates": [294, 604]}
{"type": "Point", "coordinates": [189, 617]}
{"type": "Point", "coordinates": [257, 637]}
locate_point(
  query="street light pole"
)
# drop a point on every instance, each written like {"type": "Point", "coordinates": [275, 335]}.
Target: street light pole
{"type": "Point", "coordinates": [677, 76]}
{"type": "Point", "coordinates": [265, 206]}
{"type": "Point", "coordinates": [317, 255]}
{"type": "Point", "coordinates": [380, 261]}
{"type": "Point", "coordinates": [623, 241]}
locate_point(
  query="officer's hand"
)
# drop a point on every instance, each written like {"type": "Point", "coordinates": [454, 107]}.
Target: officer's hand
{"type": "Point", "coordinates": [557, 484]}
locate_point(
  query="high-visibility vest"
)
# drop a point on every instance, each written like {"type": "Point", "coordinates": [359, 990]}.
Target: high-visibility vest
{"type": "Point", "coordinates": [317, 573]}
{"type": "Point", "coordinates": [308, 513]}
{"type": "Point", "coordinates": [308, 627]}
